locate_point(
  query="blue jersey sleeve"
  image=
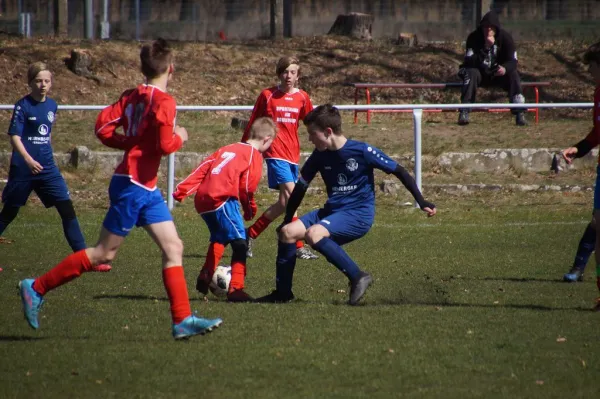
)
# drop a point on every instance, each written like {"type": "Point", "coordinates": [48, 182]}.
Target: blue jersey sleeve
{"type": "Point", "coordinates": [310, 168]}
{"type": "Point", "coordinates": [378, 159]}
{"type": "Point", "coordinates": [17, 121]}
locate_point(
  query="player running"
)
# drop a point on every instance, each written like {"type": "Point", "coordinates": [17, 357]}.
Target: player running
{"type": "Point", "coordinates": [346, 167]}
{"type": "Point", "coordinates": [147, 116]}
{"type": "Point", "coordinates": [287, 106]}
{"type": "Point", "coordinates": [221, 182]}
{"type": "Point", "coordinates": [32, 166]}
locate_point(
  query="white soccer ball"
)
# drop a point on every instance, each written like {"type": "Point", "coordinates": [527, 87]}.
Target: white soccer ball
{"type": "Point", "coordinates": [219, 285]}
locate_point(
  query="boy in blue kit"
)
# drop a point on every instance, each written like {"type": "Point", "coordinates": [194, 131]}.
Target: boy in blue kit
{"type": "Point", "coordinates": [32, 166]}
{"type": "Point", "coordinates": [346, 167]}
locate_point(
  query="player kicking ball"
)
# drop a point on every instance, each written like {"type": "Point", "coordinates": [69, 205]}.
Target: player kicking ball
{"type": "Point", "coordinates": [147, 116]}
{"type": "Point", "coordinates": [346, 167]}
{"type": "Point", "coordinates": [221, 182]}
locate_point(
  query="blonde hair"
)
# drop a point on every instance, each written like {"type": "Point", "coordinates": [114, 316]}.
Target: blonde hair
{"type": "Point", "coordinates": [285, 62]}
{"type": "Point", "coordinates": [263, 127]}
{"type": "Point", "coordinates": [36, 68]}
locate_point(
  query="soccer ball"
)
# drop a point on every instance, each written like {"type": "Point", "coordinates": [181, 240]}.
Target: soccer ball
{"type": "Point", "coordinates": [219, 285]}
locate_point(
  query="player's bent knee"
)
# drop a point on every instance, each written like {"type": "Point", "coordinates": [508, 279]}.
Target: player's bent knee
{"type": "Point", "coordinates": [314, 235]}
{"type": "Point", "coordinates": [8, 213]}
{"type": "Point", "coordinates": [65, 209]}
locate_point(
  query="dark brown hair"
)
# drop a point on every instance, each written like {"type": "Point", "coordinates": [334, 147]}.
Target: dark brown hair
{"type": "Point", "coordinates": [284, 63]}
{"type": "Point", "coordinates": [156, 58]}
{"type": "Point", "coordinates": [325, 116]}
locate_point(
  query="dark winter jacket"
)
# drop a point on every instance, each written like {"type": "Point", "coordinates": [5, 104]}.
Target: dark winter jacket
{"type": "Point", "coordinates": [487, 60]}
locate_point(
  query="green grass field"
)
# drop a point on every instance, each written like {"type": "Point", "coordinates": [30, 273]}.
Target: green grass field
{"type": "Point", "coordinates": [467, 304]}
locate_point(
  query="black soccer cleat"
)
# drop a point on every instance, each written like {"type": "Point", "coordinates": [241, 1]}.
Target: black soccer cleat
{"type": "Point", "coordinates": [520, 119]}
{"type": "Point", "coordinates": [276, 297]}
{"type": "Point", "coordinates": [574, 275]}
{"type": "Point", "coordinates": [359, 287]}
{"type": "Point", "coordinates": [202, 282]}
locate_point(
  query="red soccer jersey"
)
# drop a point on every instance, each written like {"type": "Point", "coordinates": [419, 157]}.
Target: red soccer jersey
{"type": "Point", "coordinates": [286, 110]}
{"type": "Point", "coordinates": [233, 171]}
{"type": "Point", "coordinates": [147, 115]}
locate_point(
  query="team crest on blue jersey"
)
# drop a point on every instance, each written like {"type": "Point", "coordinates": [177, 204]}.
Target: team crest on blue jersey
{"type": "Point", "coordinates": [51, 116]}
{"type": "Point", "coordinates": [342, 179]}
{"type": "Point", "coordinates": [351, 164]}
{"type": "Point", "coordinates": [43, 130]}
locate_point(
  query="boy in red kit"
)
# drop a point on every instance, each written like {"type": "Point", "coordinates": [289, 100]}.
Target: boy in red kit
{"type": "Point", "coordinates": [222, 182]}
{"type": "Point", "coordinates": [592, 58]}
{"type": "Point", "coordinates": [286, 105]}
{"type": "Point", "coordinates": [147, 115]}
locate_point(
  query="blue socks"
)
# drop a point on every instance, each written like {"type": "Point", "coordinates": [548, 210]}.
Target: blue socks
{"type": "Point", "coordinates": [338, 257]}
{"type": "Point", "coordinates": [587, 244]}
{"type": "Point", "coordinates": [285, 264]}
{"type": "Point", "coordinates": [73, 234]}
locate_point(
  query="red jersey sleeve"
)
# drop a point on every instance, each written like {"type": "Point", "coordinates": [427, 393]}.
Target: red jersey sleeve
{"type": "Point", "coordinates": [111, 118]}
{"type": "Point", "coordinates": [259, 110]}
{"type": "Point", "coordinates": [166, 112]}
{"type": "Point", "coordinates": [190, 184]}
{"type": "Point", "coordinates": [249, 181]}
{"type": "Point", "coordinates": [308, 106]}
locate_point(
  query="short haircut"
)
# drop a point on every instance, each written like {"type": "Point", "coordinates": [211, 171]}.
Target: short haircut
{"type": "Point", "coordinates": [263, 127]}
{"type": "Point", "coordinates": [285, 62]}
{"type": "Point", "coordinates": [592, 54]}
{"type": "Point", "coordinates": [36, 68]}
{"type": "Point", "coordinates": [325, 116]}
{"type": "Point", "coordinates": [156, 58]}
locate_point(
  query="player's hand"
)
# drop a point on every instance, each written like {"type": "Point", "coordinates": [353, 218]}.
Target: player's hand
{"type": "Point", "coordinates": [181, 132]}
{"type": "Point", "coordinates": [178, 196]}
{"type": "Point", "coordinates": [430, 211]}
{"type": "Point", "coordinates": [35, 166]}
{"type": "Point", "coordinates": [490, 39]}
{"type": "Point", "coordinates": [500, 71]}
{"type": "Point", "coordinates": [569, 154]}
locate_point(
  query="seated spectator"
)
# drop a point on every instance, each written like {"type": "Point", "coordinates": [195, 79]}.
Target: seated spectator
{"type": "Point", "coordinates": [490, 60]}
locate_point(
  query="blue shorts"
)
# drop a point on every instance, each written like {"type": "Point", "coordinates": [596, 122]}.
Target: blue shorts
{"type": "Point", "coordinates": [281, 172]}
{"type": "Point", "coordinates": [226, 223]}
{"type": "Point", "coordinates": [132, 205]}
{"type": "Point", "coordinates": [597, 189]}
{"type": "Point", "coordinates": [51, 188]}
{"type": "Point", "coordinates": [344, 226]}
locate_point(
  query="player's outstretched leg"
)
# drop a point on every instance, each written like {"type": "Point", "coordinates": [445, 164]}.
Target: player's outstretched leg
{"type": "Point", "coordinates": [285, 264]}
{"type": "Point", "coordinates": [32, 302]}
{"type": "Point", "coordinates": [358, 287]}
{"type": "Point", "coordinates": [238, 273]}
{"type": "Point", "coordinates": [213, 257]}
{"type": "Point", "coordinates": [587, 244]}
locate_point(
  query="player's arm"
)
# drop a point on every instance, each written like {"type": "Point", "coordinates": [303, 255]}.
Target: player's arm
{"type": "Point", "coordinates": [18, 146]}
{"type": "Point", "coordinates": [510, 53]}
{"type": "Point", "coordinates": [295, 200]}
{"type": "Point", "coordinates": [410, 184]}
{"type": "Point", "coordinates": [170, 137]}
{"type": "Point", "coordinates": [259, 110]}
{"type": "Point", "coordinates": [249, 181]}
{"type": "Point", "coordinates": [107, 123]}
{"type": "Point", "coordinates": [582, 148]}
{"type": "Point", "coordinates": [190, 184]}
{"type": "Point", "coordinates": [472, 56]}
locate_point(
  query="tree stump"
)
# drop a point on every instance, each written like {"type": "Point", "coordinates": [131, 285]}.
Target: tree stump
{"type": "Point", "coordinates": [80, 63]}
{"type": "Point", "coordinates": [356, 25]}
{"type": "Point", "coordinates": [407, 39]}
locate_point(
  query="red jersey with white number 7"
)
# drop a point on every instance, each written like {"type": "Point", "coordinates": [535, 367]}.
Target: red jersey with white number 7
{"type": "Point", "coordinates": [147, 115]}
{"type": "Point", "coordinates": [286, 110]}
{"type": "Point", "coordinates": [233, 171]}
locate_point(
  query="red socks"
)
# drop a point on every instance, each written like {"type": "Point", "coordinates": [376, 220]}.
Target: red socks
{"type": "Point", "coordinates": [176, 287]}
{"type": "Point", "coordinates": [70, 268]}
{"type": "Point", "coordinates": [213, 257]}
{"type": "Point", "coordinates": [238, 274]}
{"type": "Point", "coordinates": [259, 226]}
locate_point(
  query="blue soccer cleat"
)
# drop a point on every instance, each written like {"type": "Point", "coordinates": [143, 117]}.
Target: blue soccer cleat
{"type": "Point", "coordinates": [32, 302]}
{"type": "Point", "coordinates": [574, 275]}
{"type": "Point", "coordinates": [194, 325]}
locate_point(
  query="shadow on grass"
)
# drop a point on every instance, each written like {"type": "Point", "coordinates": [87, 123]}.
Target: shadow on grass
{"type": "Point", "coordinates": [404, 301]}
{"type": "Point", "coordinates": [132, 297]}
{"type": "Point", "coordinates": [16, 338]}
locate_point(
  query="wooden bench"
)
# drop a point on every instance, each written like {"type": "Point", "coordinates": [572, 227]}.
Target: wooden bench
{"type": "Point", "coordinates": [367, 86]}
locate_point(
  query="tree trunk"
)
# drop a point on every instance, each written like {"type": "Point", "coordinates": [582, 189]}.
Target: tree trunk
{"type": "Point", "coordinates": [355, 24]}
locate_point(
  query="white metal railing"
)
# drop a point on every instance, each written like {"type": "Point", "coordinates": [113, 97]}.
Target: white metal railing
{"type": "Point", "coordinates": [417, 118]}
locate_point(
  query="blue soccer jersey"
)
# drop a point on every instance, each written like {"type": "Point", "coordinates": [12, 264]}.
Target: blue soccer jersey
{"type": "Point", "coordinates": [348, 174]}
{"type": "Point", "coordinates": [32, 121]}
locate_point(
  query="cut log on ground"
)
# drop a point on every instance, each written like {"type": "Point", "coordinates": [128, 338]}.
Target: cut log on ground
{"type": "Point", "coordinates": [356, 25]}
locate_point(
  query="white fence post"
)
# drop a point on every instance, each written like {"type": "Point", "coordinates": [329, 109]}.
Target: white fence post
{"type": "Point", "coordinates": [417, 117]}
{"type": "Point", "coordinates": [170, 179]}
